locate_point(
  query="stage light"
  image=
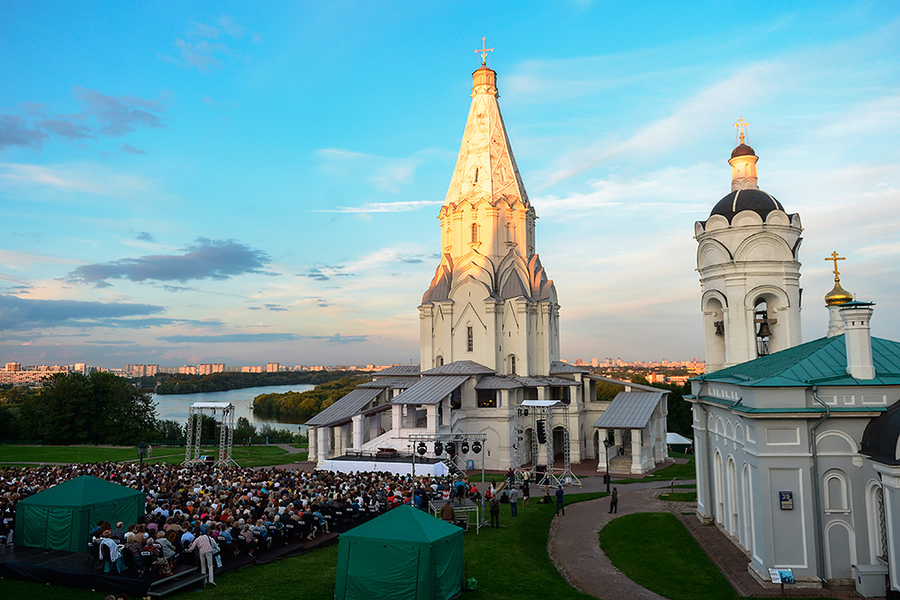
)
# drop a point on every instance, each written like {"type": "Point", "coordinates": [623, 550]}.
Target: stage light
{"type": "Point", "coordinates": [476, 446]}
{"type": "Point", "coordinates": [525, 412]}
{"type": "Point", "coordinates": [421, 449]}
{"type": "Point", "coordinates": [464, 447]}
{"type": "Point", "coordinates": [438, 448]}
{"type": "Point", "coordinates": [451, 448]}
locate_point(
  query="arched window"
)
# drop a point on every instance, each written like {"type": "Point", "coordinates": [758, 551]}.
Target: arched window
{"type": "Point", "coordinates": [439, 361]}
{"type": "Point", "coordinates": [837, 498]}
{"type": "Point", "coordinates": [512, 364]}
{"type": "Point", "coordinates": [470, 339]}
{"type": "Point", "coordinates": [474, 233]}
{"type": "Point", "coordinates": [763, 331]}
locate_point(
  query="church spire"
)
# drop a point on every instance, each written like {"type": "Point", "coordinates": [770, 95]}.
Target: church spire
{"type": "Point", "coordinates": [485, 167]}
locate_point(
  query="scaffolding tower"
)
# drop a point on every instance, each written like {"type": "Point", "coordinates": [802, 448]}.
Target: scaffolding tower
{"type": "Point", "coordinates": [546, 414]}
{"type": "Point", "coordinates": [223, 414]}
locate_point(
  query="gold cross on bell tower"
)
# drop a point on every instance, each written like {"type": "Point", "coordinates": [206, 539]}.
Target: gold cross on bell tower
{"type": "Point", "coordinates": [741, 127]}
{"type": "Point", "coordinates": [835, 258]}
{"type": "Point", "coordinates": [483, 51]}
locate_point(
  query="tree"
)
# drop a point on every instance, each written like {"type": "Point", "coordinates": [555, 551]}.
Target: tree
{"type": "Point", "coordinates": [99, 408]}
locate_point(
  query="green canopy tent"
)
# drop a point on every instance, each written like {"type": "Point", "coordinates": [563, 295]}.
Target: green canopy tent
{"type": "Point", "coordinates": [61, 518]}
{"type": "Point", "coordinates": [403, 554]}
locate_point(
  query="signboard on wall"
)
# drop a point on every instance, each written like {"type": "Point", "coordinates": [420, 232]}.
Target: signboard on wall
{"type": "Point", "coordinates": [781, 575]}
{"type": "Point", "coordinates": [787, 500]}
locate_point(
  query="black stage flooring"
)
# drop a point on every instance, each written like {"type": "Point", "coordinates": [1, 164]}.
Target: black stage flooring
{"type": "Point", "coordinates": [78, 569]}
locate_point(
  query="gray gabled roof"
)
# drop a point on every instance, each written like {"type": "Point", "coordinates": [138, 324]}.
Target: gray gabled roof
{"type": "Point", "coordinates": [545, 381]}
{"type": "Point", "coordinates": [346, 407]}
{"type": "Point", "coordinates": [557, 367]}
{"type": "Point", "coordinates": [402, 370]}
{"type": "Point", "coordinates": [390, 382]}
{"type": "Point", "coordinates": [496, 382]}
{"type": "Point", "coordinates": [460, 367]}
{"type": "Point", "coordinates": [430, 390]}
{"type": "Point", "coordinates": [630, 410]}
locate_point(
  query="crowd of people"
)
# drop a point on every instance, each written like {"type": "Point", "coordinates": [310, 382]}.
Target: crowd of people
{"type": "Point", "coordinates": [209, 515]}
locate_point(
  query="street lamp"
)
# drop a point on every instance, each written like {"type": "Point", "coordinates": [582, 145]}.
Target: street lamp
{"type": "Point", "coordinates": [607, 444]}
{"type": "Point", "coordinates": [142, 453]}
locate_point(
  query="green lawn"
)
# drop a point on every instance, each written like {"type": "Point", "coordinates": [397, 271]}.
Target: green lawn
{"type": "Point", "coordinates": [676, 471]}
{"type": "Point", "coordinates": [640, 545]}
{"type": "Point", "coordinates": [247, 456]}
{"type": "Point", "coordinates": [679, 496]}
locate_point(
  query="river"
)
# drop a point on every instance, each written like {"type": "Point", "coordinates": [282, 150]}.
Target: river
{"type": "Point", "coordinates": [176, 406]}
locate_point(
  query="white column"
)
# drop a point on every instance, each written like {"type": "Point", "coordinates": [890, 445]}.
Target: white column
{"type": "Point", "coordinates": [313, 437]}
{"type": "Point", "coordinates": [396, 418]}
{"type": "Point", "coordinates": [431, 418]}
{"type": "Point", "coordinates": [356, 428]}
{"type": "Point", "coordinates": [339, 440]}
{"type": "Point", "coordinates": [323, 444]}
{"type": "Point", "coordinates": [636, 445]}
{"type": "Point", "coordinates": [601, 451]}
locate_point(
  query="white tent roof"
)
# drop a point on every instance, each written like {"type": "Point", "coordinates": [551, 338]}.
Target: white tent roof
{"type": "Point", "coordinates": [674, 438]}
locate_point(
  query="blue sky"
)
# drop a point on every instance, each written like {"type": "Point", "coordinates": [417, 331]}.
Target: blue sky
{"type": "Point", "coordinates": [207, 182]}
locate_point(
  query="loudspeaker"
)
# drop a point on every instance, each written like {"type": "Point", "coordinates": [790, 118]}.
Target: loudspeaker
{"type": "Point", "coordinates": [542, 434]}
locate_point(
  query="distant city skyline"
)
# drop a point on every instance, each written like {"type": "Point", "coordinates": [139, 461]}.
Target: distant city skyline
{"type": "Point", "coordinates": [219, 183]}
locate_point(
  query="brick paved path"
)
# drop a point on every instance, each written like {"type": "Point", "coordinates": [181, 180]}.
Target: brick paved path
{"type": "Point", "coordinates": [574, 548]}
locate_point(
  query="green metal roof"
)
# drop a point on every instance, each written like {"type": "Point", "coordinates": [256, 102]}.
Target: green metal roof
{"type": "Point", "coordinates": [819, 362]}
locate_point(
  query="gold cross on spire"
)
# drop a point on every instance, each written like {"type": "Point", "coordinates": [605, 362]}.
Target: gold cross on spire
{"type": "Point", "coordinates": [742, 127]}
{"type": "Point", "coordinates": [834, 258]}
{"type": "Point", "coordinates": [483, 51]}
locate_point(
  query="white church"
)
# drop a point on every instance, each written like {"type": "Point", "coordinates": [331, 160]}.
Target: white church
{"type": "Point", "coordinates": [797, 444]}
{"type": "Point", "coordinates": [489, 344]}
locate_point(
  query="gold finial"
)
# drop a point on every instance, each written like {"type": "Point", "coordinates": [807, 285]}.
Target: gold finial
{"type": "Point", "coordinates": [742, 127]}
{"type": "Point", "coordinates": [835, 258]}
{"type": "Point", "coordinates": [483, 51]}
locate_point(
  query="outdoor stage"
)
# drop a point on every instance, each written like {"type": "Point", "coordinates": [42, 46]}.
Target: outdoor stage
{"type": "Point", "coordinates": [398, 465]}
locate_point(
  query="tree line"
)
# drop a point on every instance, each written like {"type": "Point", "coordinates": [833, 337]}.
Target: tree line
{"type": "Point", "coordinates": [102, 408]}
{"type": "Point", "coordinates": [165, 383]}
{"type": "Point", "coordinates": [301, 406]}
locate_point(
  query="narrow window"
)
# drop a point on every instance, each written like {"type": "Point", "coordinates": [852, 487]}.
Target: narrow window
{"type": "Point", "coordinates": [512, 364]}
{"type": "Point", "coordinates": [439, 360]}
{"type": "Point", "coordinates": [474, 232]}
{"type": "Point", "coordinates": [470, 339]}
{"type": "Point", "coordinates": [476, 174]}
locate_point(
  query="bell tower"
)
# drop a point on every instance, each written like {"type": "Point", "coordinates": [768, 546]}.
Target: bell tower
{"type": "Point", "coordinates": [490, 300]}
{"type": "Point", "coordinates": [747, 257]}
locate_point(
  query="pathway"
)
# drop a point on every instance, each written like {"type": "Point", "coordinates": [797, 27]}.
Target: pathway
{"type": "Point", "coordinates": [574, 547]}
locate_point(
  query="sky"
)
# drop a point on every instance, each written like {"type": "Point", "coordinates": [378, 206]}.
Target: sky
{"type": "Point", "coordinates": [236, 182]}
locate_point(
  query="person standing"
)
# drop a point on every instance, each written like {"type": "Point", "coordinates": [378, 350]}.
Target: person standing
{"type": "Point", "coordinates": [495, 512]}
{"type": "Point", "coordinates": [526, 492]}
{"type": "Point", "coordinates": [204, 545]}
{"type": "Point", "coordinates": [514, 501]}
{"type": "Point", "coordinates": [614, 501]}
{"type": "Point", "coordinates": [560, 502]}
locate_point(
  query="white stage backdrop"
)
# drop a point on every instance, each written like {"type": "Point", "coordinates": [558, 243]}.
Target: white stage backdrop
{"type": "Point", "coordinates": [347, 466]}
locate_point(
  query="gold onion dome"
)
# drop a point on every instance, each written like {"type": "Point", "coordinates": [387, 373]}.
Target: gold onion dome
{"type": "Point", "coordinates": [838, 295]}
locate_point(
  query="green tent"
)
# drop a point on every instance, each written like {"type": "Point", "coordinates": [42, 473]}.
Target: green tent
{"type": "Point", "coordinates": [61, 518]}
{"type": "Point", "coordinates": [404, 553]}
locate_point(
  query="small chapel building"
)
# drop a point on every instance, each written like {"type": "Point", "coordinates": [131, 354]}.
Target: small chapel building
{"type": "Point", "coordinates": [489, 340]}
{"type": "Point", "coordinates": [797, 444]}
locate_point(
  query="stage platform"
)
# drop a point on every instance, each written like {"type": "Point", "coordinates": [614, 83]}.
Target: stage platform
{"type": "Point", "coordinates": [77, 569]}
{"type": "Point", "coordinates": [398, 465]}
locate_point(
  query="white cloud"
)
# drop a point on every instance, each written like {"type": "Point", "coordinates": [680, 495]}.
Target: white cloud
{"type": "Point", "coordinates": [76, 177]}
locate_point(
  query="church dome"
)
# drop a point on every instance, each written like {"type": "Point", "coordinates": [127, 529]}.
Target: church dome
{"type": "Point", "coordinates": [838, 295]}
{"type": "Point", "coordinates": [742, 150]}
{"type": "Point", "coordinates": [746, 199]}
{"type": "Point", "coordinates": [879, 440]}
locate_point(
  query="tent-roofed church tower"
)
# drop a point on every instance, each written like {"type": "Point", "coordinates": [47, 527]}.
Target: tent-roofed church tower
{"type": "Point", "coordinates": [490, 300]}
{"type": "Point", "coordinates": [749, 269]}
